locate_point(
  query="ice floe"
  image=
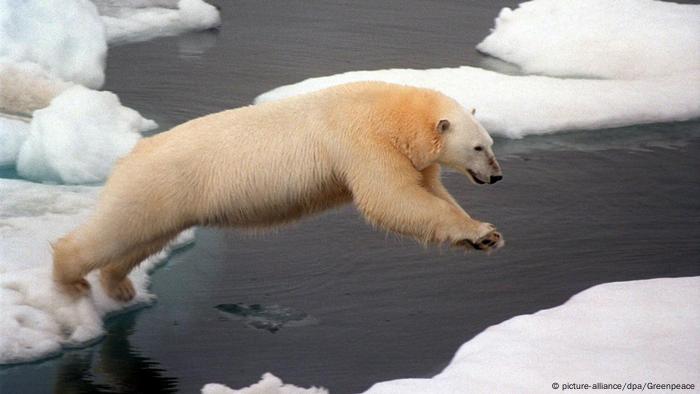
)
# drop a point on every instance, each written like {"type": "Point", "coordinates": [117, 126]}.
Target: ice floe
{"type": "Point", "coordinates": [618, 333]}
{"type": "Point", "coordinates": [66, 38]}
{"type": "Point", "coordinates": [649, 49]}
{"type": "Point", "coordinates": [37, 320]}
{"type": "Point", "coordinates": [46, 47]}
{"type": "Point", "coordinates": [79, 137]}
{"type": "Point", "coordinates": [516, 106]}
{"type": "Point", "coordinates": [622, 39]}
{"type": "Point", "coordinates": [131, 21]}
{"type": "Point", "coordinates": [615, 333]}
{"type": "Point", "coordinates": [268, 384]}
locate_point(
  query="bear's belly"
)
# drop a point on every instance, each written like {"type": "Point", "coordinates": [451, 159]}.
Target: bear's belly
{"type": "Point", "coordinates": [278, 208]}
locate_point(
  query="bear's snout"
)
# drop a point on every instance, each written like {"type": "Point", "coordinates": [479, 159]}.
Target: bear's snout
{"type": "Point", "coordinates": [495, 178]}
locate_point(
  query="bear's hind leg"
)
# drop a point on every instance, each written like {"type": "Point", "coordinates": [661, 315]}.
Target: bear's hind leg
{"type": "Point", "coordinates": [114, 275]}
{"type": "Point", "coordinates": [70, 264]}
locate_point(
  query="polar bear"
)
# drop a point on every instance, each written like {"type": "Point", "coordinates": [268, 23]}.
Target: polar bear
{"type": "Point", "coordinates": [376, 144]}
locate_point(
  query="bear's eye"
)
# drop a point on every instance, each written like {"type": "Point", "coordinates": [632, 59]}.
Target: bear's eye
{"type": "Point", "coordinates": [478, 148]}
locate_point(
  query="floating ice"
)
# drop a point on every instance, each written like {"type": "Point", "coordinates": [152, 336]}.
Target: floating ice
{"type": "Point", "coordinates": [79, 136]}
{"type": "Point", "coordinates": [67, 38]}
{"type": "Point", "coordinates": [639, 332]}
{"type": "Point", "coordinates": [622, 39]}
{"type": "Point", "coordinates": [615, 333]}
{"type": "Point", "coordinates": [268, 384]}
{"type": "Point", "coordinates": [515, 106]}
{"type": "Point", "coordinates": [43, 44]}
{"type": "Point", "coordinates": [130, 21]}
{"type": "Point", "coordinates": [37, 320]}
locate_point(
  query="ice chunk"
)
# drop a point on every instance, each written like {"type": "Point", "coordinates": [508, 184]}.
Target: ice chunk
{"type": "Point", "coordinates": [37, 320]}
{"type": "Point", "coordinates": [130, 21]}
{"type": "Point", "coordinates": [516, 106]}
{"type": "Point", "coordinates": [79, 136]}
{"type": "Point", "coordinates": [268, 384]}
{"type": "Point", "coordinates": [67, 38]}
{"type": "Point", "coordinates": [622, 39]}
{"type": "Point", "coordinates": [640, 331]}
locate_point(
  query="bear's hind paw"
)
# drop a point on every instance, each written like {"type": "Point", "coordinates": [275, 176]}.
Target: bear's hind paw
{"type": "Point", "coordinates": [75, 289]}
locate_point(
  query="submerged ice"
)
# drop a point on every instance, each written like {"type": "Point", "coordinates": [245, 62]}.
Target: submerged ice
{"type": "Point", "coordinates": [266, 317]}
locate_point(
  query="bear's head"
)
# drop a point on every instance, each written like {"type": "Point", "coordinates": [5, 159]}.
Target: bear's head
{"type": "Point", "coordinates": [466, 147]}
{"type": "Point", "coordinates": [430, 127]}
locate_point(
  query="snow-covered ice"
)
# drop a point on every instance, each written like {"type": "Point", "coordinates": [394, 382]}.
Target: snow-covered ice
{"type": "Point", "coordinates": [76, 134]}
{"type": "Point", "coordinates": [516, 106]}
{"type": "Point", "coordinates": [37, 320]}
{"type": "Point", "coordinates": [622, 39]}
{"type": "Point", "coordinates": [640, 331]}
{"type": "Point", "coordinates": [268, 384]}
{"type": "Point", "coordinates": [69, 39]}
{"type": "Point", "coordinates": [615, 333]}
{"type": "Point", "coordinates": [650, 47]}
{"type": "Point", "coordinates": [58, 131]}
{"type": "Point", "coordinates": [79, 137]}
{"type": "Point", "coordinates": [66, 38]}
{"type": "Point", "coordinates": [129, 20]}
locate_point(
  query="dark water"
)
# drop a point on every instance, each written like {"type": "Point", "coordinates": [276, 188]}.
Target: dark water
{"type": "Point", "coordinates": [577, 209]}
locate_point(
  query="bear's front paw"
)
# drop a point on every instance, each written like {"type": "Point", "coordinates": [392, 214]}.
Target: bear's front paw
{"type": "Point", "coordinates": [489, 242]}
{"type": "Point", "coordinates": [488, 239]}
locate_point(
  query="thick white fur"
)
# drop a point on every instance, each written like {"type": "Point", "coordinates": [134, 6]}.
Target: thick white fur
{"type": "Point", "coordinates": [379, 145]}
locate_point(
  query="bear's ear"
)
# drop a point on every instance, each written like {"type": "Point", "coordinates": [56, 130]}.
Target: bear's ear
{"type": "Point", "coordinates": [443, 125]}
{"type": "Point", "coordinates": [473, 111]}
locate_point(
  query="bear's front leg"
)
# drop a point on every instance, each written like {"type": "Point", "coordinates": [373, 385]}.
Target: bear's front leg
{"type": "Point", "coordinates": [487, 237]}
{"type": "Point", "coordinates": [390, 195]}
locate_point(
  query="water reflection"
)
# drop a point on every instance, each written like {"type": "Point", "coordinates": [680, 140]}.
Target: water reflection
{"type": "Point", "coordinates": [115, 368]}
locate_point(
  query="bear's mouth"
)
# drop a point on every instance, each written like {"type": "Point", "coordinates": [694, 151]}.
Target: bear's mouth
{"type": "Point", "coordinates": [474, 177]}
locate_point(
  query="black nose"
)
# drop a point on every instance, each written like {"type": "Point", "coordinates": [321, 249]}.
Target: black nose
{"type": "Point", "coordinates": [496, 178]}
